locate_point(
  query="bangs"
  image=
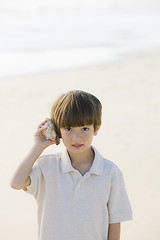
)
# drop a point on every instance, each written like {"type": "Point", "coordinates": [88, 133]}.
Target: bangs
{"type": "Point", "coordinates": [78, 110]}
{"type": "Point", "coordinates": [75, 109]}
{"type": "Point", "coordinates": [77, 115]}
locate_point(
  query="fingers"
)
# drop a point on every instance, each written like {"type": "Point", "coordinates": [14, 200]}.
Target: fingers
{"type": "Point", "coordinates": [39, 132]}
{"type": "Point", "coordinates": [40, 137]}
{"type": "Point", "coordinates": [41, 124]}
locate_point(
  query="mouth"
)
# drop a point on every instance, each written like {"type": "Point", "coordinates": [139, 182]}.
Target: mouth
{"type": "Point", "coordinates": [77, 145]}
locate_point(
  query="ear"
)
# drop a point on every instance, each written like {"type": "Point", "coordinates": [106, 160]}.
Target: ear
{"type": "Point", "coordinates": [95, 133]}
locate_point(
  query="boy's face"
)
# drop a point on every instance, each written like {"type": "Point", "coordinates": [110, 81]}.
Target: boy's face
{"type": "Point", "coordinates": [78, 139]}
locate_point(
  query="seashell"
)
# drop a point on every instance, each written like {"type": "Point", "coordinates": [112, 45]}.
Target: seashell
{"type": "Point", "coordinates": [50, 133]}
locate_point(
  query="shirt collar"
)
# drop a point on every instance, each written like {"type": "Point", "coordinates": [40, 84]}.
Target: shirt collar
{"type": "Point", "coordinates": [96, 168]}
{"type": "Point", "coordinates": [66, 162]}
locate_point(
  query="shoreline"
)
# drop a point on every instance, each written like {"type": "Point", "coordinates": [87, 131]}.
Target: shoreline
{"type": "Point", "coordinates": [121, 57]}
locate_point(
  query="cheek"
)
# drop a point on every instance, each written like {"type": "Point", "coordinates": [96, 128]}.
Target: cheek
{"type": "Point", "coordinates": [89, 137]}
{"type": "Point", "coordinates": [65, 137]}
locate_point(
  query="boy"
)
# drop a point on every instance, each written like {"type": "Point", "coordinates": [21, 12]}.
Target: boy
{"type": "Point", "coordinates": [80, 194]}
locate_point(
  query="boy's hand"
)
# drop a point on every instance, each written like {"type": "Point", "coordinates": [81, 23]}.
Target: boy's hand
{"type": "Point", "coordinates": [21, 178]}
{"type": "Point", "coordinates": [40, 139]}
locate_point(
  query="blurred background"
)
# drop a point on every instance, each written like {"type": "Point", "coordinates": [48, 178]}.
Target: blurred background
{"type": "Point", "coordinates": [43, 36]}
{"type": "Point", "coordinates": [108, 48]}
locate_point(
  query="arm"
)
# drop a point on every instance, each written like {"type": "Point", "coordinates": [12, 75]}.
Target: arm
{"type": "Point", "coordinates": [21, 178]}
{"type": "Point", "coordinates": [114, 231]}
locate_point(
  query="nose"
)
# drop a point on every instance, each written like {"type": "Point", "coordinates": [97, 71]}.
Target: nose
{"type": "Point", "coordinates": [76, 136]}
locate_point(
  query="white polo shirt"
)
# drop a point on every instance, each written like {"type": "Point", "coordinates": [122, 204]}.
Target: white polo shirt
{"type": "Point", "coordinates": [76, 207]}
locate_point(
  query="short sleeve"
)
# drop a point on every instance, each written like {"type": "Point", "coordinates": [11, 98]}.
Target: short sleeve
{"type": "Point", "coordinates": [36, 182]}
{"type": "Point", "coordinates": [119, 208]}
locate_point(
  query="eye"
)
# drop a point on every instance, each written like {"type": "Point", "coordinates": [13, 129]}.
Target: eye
{"type": "Point", "coordinates": [68, 129]}
{"type": "Point", "coordinates": [85, 129]}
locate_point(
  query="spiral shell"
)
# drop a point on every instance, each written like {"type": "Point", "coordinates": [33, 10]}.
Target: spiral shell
{"type": "Point", "coordinates": [50, 133]}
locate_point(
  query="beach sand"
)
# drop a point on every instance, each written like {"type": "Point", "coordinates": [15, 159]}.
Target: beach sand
{"type": "Point", "coordinates": [129, 136]}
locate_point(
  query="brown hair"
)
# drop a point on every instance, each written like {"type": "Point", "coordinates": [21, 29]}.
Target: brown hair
{"type": "Point", "coordinates": [76, 108]}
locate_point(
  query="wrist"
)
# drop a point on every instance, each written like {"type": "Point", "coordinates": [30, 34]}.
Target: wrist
{"type": "Point", "coordinates": [38, 149]}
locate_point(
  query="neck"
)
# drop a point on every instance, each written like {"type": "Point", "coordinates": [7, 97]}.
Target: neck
{"type": "Point", "coordinates": [86, 157]}
{"type": "Point", "coordinates": [82, 162]}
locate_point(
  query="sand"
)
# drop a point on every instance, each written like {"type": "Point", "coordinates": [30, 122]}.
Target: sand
{"type": "Point", "coordinates": [129, 136]}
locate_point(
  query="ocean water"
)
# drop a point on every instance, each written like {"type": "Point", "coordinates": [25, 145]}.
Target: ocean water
{"type": "Point", "coordinates": [38, 40]}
